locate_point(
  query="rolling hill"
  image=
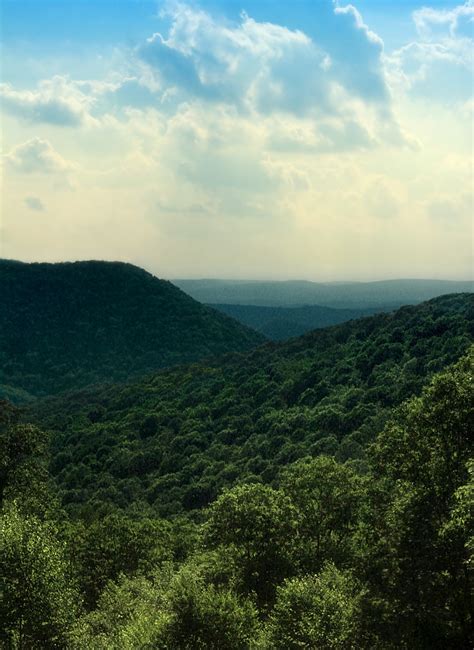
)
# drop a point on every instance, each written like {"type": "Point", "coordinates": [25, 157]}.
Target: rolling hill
{"type": "Point", "coordinates": [67, 325]}
{"type": "Point", "coordinates": [172, 441]}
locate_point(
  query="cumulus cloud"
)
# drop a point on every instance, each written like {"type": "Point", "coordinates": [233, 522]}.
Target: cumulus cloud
{"type": "Point", "coordinates": [433, 24]}
{"type": "Point", "coordinates": [330, 135]}
{"type": "Point", "coordinates": [357, 52]}
{"type": "Point", "coordinates": [34, 203]}
{"type": "Point", "coordinates": [438, 65]}
{"type": "Point", "coordinates": [257, 69]}
{"type": "Point", "coordinates": [36, 156]}
{"type": "Point", "coordinates": [263, 69]}
{"type": "Point", "coordinates": [265, 66]}
{"type": "Point", "coordinates": [56, 101]}
{"type": "Point", "coordinates": [206, 59]}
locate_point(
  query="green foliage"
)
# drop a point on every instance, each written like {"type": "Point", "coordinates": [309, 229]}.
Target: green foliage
{"type": "Point", "coordinates": [316, 611]}
{"type": "Point", "coordinates": [64, 326]}
{"type": "Point", "coordinates": [131, 613]}
{"type": "Point", "coordinates": [171, 611]}
{"type": "Point", "coordinates": [117, 544]}
{"type": "Point", "coordinates": [174, 440]}
{"type": "Point", "coordinates": [203, 616]}
{"type": "Point", "coordinates": [370, 548]}
{"type": "Point", "coordinates": [257, 524]}
{"type": "Point", "coordinates": [38, 600]}
{"type": "Point", "coordinates": [416, 548]}
{"type": "Point", "coordinates": [327, 496]}
{"type": "Point", "coordinates": [24, 457]}
{"type": "Point", "coordinates": [460, 526]}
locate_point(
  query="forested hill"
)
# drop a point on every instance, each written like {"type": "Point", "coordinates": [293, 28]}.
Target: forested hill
{"type": "Point", "coordinates": [67, 325]}
{"type": "Point", "coordinates": [172, 441]}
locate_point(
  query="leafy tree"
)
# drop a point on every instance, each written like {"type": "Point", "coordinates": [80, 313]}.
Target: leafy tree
{"type": "Point", "coordinates": [415, 556]}
{"type": "Point", "coordinates": [24, 454]}
{"type": "Point", "coordinates": [208, 617]}
{"type": "Point", "coordinates": [38, 599]}
{"type": "Point", "coordinates": [117, 544]}
{"type": "Point", "coordinates": [327, 496]}
{"type": "Point", "coordinates": [131, 613]}
{"type": "Point", "coordinates": [316, 611]}
{"type": "Point", "coordinates": [259, 525]}
{"type": "Point", "coordinates": [168, 611]}
{"type": "Point", "coordinates": [175, 432]}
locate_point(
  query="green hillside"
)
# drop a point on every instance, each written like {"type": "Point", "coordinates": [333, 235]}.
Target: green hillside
{"type": "Point", "coordinates": [172, 441]}
{"type": "Point", "coordinates": [67, 325]}
{"type": "Point", "coordinates": [312, 494]}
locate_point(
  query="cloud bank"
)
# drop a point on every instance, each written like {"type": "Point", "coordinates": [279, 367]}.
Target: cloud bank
{"type": "Point", "coordinates": [220, 144]}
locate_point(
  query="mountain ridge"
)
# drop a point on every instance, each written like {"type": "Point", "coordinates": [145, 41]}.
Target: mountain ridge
{"type": "Point", "coordinates": [75, 323]}
{"type": "Point", "coordinates": [294, 293]}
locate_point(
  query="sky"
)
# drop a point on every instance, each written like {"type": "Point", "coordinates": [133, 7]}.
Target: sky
{"type": "Point", "coordinates": [256, 139]}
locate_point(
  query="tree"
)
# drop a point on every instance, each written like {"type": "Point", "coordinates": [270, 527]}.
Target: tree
{"type": "Point", "coordinates": [259, 525]}
{"type": "Point", "coordinates": [327, 496]}
{"type": "Point", "coordinates": [24, 453]}
{"type": "Point", "coordinates": [316, 611]}
{"type": "Point", "coordinates": [168, 610]}
{"type": "Point", "coordinates": [117, 544]}
{"type": "Point", "coordinates": [38, 599]}
{"type": "Point", "coordinates": [208, 617]}
{"type": "Point", "coordinates": [414, 559]}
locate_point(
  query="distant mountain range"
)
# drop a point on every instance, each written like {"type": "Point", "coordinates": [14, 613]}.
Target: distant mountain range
{"type": "Point", "coordinates": [385, 294]}
{"type": "Point", "coordinates": [71, 324]}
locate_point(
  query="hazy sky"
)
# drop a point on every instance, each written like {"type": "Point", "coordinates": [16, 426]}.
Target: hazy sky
{"type": "Point", "coordinates": [240, 138]}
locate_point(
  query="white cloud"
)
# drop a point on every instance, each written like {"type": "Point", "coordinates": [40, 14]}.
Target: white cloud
{"type": "Point", "coordinates": [37, 156]}
{"type": "Point", "coordinates": [436, 24]}
{"type": "Point", "coordinates": [214, 135]}
{"type": "Point", "coordinates": [438, 65]}
{"type": "Point", "coordinates": [206, 59]}
{"type": "Point", "coordinates": [263, 70]}
{"type": "Point", "coordinates": [56, 101]}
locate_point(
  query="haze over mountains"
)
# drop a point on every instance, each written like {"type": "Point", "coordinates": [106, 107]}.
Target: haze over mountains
{"type": "Point", "coordinates": [280, 323]}
{"type": "Point", "coordinates": [385, 294]}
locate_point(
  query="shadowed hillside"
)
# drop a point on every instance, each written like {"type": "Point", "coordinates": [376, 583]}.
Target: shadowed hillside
{"type": "Point", "coordinates": [280, 323]}
{"type": "Point", "coordinates": [67, 325]}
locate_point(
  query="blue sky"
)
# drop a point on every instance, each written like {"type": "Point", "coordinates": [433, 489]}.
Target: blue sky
{"type": "Point", "coordinates": [313, 139]}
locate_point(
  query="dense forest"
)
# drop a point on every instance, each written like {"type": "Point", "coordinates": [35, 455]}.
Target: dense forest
{"type": "Point", "coordinates": [314, 493]}
{"type": "Point", "coordinates": [326, 557]}
{"type": "Point", "coordinates": [173, 440]}
{"type": "Point", "coordinates": [68, 325]}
